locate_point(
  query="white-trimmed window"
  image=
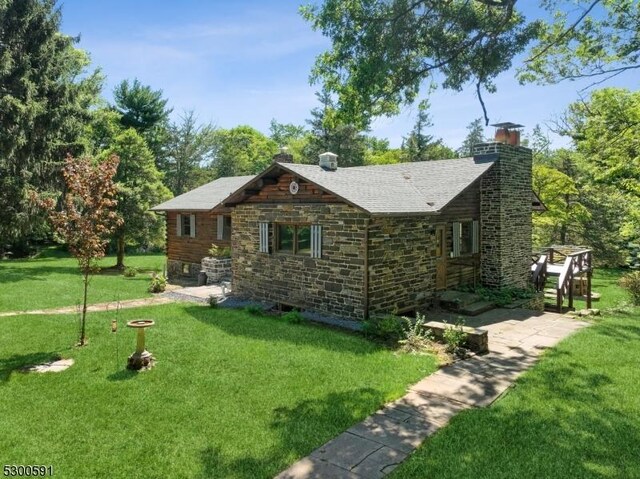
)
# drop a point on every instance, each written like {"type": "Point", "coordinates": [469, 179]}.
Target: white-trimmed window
{"type": "Point", "coordinates": [466, 238]}
{"type": "Point", "coordinates": [186, 225]}
{"type": "Point", "coordinates": [304, 240]}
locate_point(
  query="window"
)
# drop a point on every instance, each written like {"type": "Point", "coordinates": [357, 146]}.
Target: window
{"type": "Point", "coordinates": [223, 228]}
{"type": "Point", "coordinates": [466, 238]}
{"type": "Point", "coordinates": [186, 225]}
{"type": "Point", "coordinates": [299, 239]}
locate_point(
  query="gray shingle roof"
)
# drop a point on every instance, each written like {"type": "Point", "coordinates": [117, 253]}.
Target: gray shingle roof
{"type": "Point", "coordinates": [420, 187]}
{"type": "Point", "coordinates": [205, 197]}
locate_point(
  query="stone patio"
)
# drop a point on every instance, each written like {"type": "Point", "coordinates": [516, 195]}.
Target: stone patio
{"type": "Point", "coordinates": [374, 447]}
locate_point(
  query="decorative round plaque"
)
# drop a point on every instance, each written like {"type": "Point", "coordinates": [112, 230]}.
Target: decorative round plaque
{"type": "Point", "coordinates": [293, 187]}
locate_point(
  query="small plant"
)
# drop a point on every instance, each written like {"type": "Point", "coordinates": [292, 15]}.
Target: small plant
{"type": "Point", "coordinates": [631, 282]}
{"type": "Point", "coordinates": [217, 252]}
{"type": "Point", "coordinates": [454, 337]}
{"type": "Point", "coordinates": [387, 328]}
{"type": "Point", "coordinates": [130, 272]}
{"type": "Point", "coordinates": [293, 317]}
{"type": "Point", "coordinates": [213, 301]}
{"type": "Point", "coordinates": [158, 283]}
{"type": "Point", "coordinates": [415, 337]}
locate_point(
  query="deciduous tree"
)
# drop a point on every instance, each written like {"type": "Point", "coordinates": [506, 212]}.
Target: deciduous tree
{"type": "Point", "coordinates": [88, 216]}
{"type": "Point", "coordinates": [242, 150]}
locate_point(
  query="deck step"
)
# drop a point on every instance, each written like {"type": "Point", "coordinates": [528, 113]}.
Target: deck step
{"type": "Point", "coordinates": [479, 307]}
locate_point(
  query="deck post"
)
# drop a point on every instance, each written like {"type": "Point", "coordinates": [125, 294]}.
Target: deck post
{"type": "Point", "coordinates": [571, 278]}
{"type": "Point", "coordinates": [589, 289]}
{"type": "Point", "coordinates": [559, 299]}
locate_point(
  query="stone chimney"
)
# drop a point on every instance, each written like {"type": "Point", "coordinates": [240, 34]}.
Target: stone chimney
{"type": "Point", "coordinates": [329, 161]}
{"type": "Point", "coordinates": [283, 156]}
{"type": "Point", "coordinates": [505, 210]}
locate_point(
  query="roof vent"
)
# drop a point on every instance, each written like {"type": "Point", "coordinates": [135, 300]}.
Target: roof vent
{"type": "Point", "coordinates": [329, 161]}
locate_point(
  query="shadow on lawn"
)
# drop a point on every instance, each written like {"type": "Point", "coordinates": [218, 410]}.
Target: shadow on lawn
{"type": "Point", "coordinates": [10, 274]}
{"type": "Point", "coordinates": [561, 423]}
{"type": "Point", "coordinates": [299, 430]}
{"type": "Point", "coordinates": [19, 361]}
{"type": "Point", "coordinates": [271, 328]}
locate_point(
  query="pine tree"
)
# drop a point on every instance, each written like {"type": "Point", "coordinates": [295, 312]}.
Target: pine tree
{"type": "Point", "coordinates": [45, 98]}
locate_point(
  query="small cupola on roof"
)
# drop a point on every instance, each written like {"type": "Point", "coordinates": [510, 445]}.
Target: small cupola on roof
{"type": "Point", "coordinates": [329, 161]}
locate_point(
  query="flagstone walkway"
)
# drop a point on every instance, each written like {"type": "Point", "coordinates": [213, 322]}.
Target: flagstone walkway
{"type": "Point", "coordinates": [374, 447]}
{"type": "Point", "coordinates": [112, 306]}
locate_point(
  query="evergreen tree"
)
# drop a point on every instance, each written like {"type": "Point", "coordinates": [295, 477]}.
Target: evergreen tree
{"type": "Point", "coordinates": [45, 98]}
{"type": "Point", "coordinates": [329, 134]}
{"type": "Point", "coordinates": [475, 135]}
{"type": "Point", "coordinates": [144, 110]}
{"type": "Point", "coordinates": [418, 141]}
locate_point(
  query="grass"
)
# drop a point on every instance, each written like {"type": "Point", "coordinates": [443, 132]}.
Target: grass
{"type": "Point", "coordinates": [52, 279]}
{"type": "Point", "coordinates": [233, 395]}
{"type": "Point", "coordinates": [575, 415]}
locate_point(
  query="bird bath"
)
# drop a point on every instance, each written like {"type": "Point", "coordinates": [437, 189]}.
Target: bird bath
{"type": "Point", "coordinates": [141, 358]}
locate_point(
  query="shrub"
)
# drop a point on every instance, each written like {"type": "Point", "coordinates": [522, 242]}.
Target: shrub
{"type": "Point", "coordinates": [388, 328]}
{"type": "Point", "coordinates": [293, 317]}
{"type": "Point", "coordinates": [631, 282]}
{"type": "Point", "coordinates": [415, 337]}
{"type": "Point", "coordinates": [216, 252]}
{"type": "Point", "coordinates": [213, 301]}
{"type": "Point", "coordinates": [130, 272]}
{"type": "Point", "coordinates": [158, 283]}
{"type": "Point", "coordinates": [454, 337]}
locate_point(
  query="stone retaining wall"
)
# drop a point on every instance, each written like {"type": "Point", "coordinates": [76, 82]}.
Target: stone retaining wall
{"type": "Point", "coordinates": [217, 269]}
{"type": "Point", "coordinates": [177, 268]}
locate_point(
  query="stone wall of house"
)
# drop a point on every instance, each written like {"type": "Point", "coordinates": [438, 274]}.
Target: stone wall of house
{"type": "Point", "coordinates": [505, 226]}
{"type": "Point", "coordinates": [181, 269]}
{"type": "Point", "coordinates": [217, 269]}
{"type": "Point", "coordinates": [402, 269]}
{"type": "Point", "coordinates": [332, 284]}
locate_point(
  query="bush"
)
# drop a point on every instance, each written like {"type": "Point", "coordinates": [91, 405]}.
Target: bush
{"type": "Point", "coordinates": [293, 317]}
{"type": "Point", "coordinates": [454, 337]}
{"type": "Point", "coordinates": [213, 301]}
{"type": "Point", "coordinates": [216, 252]}
{"type": "Point", "coordinates": [631, 282]}
{"type": "Point", "coordinates": [388, 328]}
{"type": "Point", "coordinates": [415, 337]}
{"type": "Point", "coordinates": [130, 272]}
{"type": "Point", "coordinates": [158, 283]}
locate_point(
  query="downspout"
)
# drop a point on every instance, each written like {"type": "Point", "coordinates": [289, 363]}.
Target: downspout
{"type": "Point", "coordinates": [366, 269]}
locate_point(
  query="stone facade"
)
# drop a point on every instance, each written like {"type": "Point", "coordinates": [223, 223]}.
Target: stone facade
{"type": "Point", "coordinates": [332, 284]}
{"type": "Point", "coordinates": [180, 269]}
{"type": "Point", "coordinates": [217, 269]}
{"type": "Point", "coordinates": [401, 263]}
{"type": "Point", "coordinates": [505, 226]}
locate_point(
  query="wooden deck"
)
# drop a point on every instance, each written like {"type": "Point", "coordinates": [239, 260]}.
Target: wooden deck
{"type": "Point", "coordinates": [566, 266]}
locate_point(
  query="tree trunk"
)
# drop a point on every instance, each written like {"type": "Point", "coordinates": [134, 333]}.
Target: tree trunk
{"type": "Point", "coordinates": [83, 319]}
{"type": "Point", "coordinates": [120, 248]}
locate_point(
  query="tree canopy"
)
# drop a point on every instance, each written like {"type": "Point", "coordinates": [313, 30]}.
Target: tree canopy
{"type": "Point", "coordinates": [45, 97]}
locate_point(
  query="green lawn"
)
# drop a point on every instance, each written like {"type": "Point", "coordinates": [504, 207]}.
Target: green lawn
{"type": "Point", "coordinates": [575, 415]}
{"type": "Point", "coordinates": [52, 279]}
{"type": "Point", "coordinates": [232, 395]}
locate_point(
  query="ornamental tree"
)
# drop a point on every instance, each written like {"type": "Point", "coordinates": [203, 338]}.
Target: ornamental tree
{"type": "Point", "coordinates": [88, 216]}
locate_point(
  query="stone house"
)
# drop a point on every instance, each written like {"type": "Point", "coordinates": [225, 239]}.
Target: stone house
{"type": "Point", "coordinates": [358, 241]}
{"type": "Point", "coordinates": [196, 220]}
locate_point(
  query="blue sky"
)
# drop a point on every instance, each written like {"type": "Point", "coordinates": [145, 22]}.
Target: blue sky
{"type": "Point", "coordinates": [246, 62]}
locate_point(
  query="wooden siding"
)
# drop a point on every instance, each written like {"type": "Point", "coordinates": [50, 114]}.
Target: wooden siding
{"type": "Point", "coordinates": [192, 250]}
{"type": "Point", "coordinates": [464, 270]}
{"type": "Point", "coordinates": [279, 193]}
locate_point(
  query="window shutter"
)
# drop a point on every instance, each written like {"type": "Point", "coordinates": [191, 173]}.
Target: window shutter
{"type": "Point", "coordinates": [179, 224]}
{"type": "Point", "coordinates": [264, 237]}
{"type": "Point", "coordinates": [457, 231]}
{"type": "Point", "coordinates": [316, 241]}
{"type": "Point", "coordinates": [192, 219]}
{"type": "Point", "coordinates": [476, 237]}
{"type": "Point", "coordinates": [220, 227]}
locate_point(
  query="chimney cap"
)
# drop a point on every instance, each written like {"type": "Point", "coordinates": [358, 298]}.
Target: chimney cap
{"type": "Point", "coordinates": [508, 125]}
